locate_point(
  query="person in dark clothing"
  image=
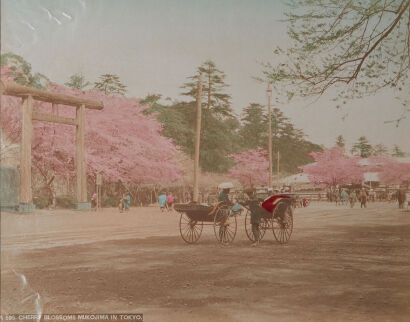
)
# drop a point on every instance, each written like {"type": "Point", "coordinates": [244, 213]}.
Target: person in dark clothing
{"type": "Point", "coordinates": [224, 195]}
{"type": "Point", "coordinates": [255, 209]}
{"type": "Point", "coordinates": [401, 197]}
{"type": "Point", "coordinates": [363, 198]}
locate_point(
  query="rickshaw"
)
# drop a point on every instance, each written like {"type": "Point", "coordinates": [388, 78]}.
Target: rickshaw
{"type": "Point", "coordinates": [193, 217]}
{"type": "Point", "coordinates": [276, 215]}
{"type": "Point", "coordinates": [220, 216]}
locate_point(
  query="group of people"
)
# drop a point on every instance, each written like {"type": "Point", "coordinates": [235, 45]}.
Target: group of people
{"type": "Point", "coordinates": [166, 201]}
{"type": "Point", "coordinates": [344, 197]}
{"type": "Point", "coordinates": [363, 195]}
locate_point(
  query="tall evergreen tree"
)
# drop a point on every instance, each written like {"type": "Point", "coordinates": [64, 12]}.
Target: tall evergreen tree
{"type": "Point", "coordinates": [340, 141]}
{"type": "Point", "coordinates": [290, 142]}
{"type": "Point", "coordinates": [218, 140]}
{"type": "Point", "coordinates": [397, 152]}
{"type": "Point", "coordinates": [380, 150]}
{"type": "Point", "coordinates": [77, 81]}
{"type": "Point", "coordinates": [214, 97]}
{"type": "Point", "coordinates": [110, 84]}
{"type": "Point", "coordinates": [253, 131]}
{"type": "Point", "coordinates": [362, 148]}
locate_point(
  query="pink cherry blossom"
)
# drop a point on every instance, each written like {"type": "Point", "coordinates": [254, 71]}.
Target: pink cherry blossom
{"type": "Point", "coordinates": [252, 168]}
{"type": "Point", "coordinates": [121, 142]}
{"type": "Point", "coordinates": [333, 167]}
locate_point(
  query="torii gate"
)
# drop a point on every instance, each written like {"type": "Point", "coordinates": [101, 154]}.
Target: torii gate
{"type": "Point", "coordinates": [28, 95]}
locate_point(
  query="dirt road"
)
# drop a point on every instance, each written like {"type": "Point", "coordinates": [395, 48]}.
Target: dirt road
{"type": "Point", "coordinates": [341, 264]}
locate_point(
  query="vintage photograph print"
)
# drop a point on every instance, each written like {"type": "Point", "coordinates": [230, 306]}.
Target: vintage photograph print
{"type": "Point", "coordinates": [205, 160]}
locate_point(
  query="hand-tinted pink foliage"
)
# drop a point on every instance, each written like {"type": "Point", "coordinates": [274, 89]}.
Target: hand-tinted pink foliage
{"type": "Point", "coordinates": [333, 167]}
{"type": "Point", "coordinates": [121, 142]}
{"type": "Point", "coordinates": [251, 169]}
{"type": "Point", "coordinates": [390, 170]}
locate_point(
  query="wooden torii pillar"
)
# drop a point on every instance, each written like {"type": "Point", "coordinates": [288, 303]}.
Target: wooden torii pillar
{"type": "Point", "coordinates": [28, 95]}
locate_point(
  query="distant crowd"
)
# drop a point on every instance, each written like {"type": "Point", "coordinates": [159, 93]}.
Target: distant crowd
{"type": "Point", "coordinates": [340, 196]}
{"type": "Point", "coordinates": [344, 196]}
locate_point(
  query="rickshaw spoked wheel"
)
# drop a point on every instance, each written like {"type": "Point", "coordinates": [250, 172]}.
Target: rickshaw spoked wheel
{"type": "Point", "coordinates": [190, 229]}
{"type": "Point", "coordinates": [282, 222]}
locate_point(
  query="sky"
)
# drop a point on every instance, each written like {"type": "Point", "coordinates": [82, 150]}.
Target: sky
{"type": "Point", "coordinates": [154, 45]}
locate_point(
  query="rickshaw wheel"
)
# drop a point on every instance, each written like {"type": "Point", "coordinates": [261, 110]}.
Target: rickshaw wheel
{"type": "Point", "coordinates": [282, 223]}
{"type": "Point", "coordinates": [190, 229]}
{"type": "Point", "coordinates": [225, 225]}
{"type": "Point", "coordinates": [263, 226]}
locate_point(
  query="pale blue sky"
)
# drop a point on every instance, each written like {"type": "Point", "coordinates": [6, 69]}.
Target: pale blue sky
{"type": "Point", "coordinates": [153, 45]}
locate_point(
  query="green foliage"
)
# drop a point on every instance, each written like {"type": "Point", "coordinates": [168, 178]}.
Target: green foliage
{"type": "Point", "coordinates": [110, 84]}
{"type": "Point", "coordinates": [380, 150]}
{"type": "Point", "coordinates": [66, 202]}
{"type": "Point", "coordinates": [22, 72]}
{"type": "Point", "coordinates": [213, 87]}
{"type": "Point", "coordinates": [77, 81]}
{"type": "Point", "coordinates": [254, 129]}
{"type": "Point", "coordinates": [340, 141]}
{"type": "Point", "coordinates": [151, 99]}
{"type": "Point", "coordinates": [290, 142]}
{"type": "Point", "coordinates": [362, 148]}
{"type": "Point", "coordinates": [397, 152]}
{"type": "Point", "coordinates": [219, 137]}
{"type": "Point", "coordinates": [223, 136]}
{"type": "Point", "coordinates": [40, 202]}
{"type": "Point", "coordinates": [361, 45]}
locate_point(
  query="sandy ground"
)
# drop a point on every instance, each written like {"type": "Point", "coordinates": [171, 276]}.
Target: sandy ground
{"type": "Point", "coordinates": [341, 264]}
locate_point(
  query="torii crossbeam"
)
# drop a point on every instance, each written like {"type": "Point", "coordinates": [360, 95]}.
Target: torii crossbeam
{"type": "Point", "coordinates": [28, 95]}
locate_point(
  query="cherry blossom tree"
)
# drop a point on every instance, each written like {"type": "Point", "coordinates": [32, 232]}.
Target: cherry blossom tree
{"type": "Point", "coordinates": [121, 142]}
{"type": "Point", "coordinates": [390, 170]}
{"type": "Point", "coordinates": [333, 167]}
{"type": "Point", "coordinates": [252, 167]}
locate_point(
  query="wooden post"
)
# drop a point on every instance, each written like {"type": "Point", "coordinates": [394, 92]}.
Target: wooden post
{"type": "Point", "coordinates": [269, 92]}
{"type": "Point", "coordinates": [26, 196]}
{"type": "Point", "coordinates": [197, 138]}
{"type": "Point", "coordinates": [81, 170]}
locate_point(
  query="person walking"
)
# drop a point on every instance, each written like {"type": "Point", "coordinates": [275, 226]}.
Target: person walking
{"type": "Point", "coordinates": [363, 198]}
{"type": "Point", "coordinates": [337, 197]}
{"type": "Point", "coordinates": [127, 201]}
{"type": "Point", "coordinates": [122, 202]}
{"type": "Point", "coordinates": [401, 197]}
{"type": "Point", "coordinates": [94, 201]}
{"type": "Point", "coordinates": [162, 200]}
{"type": "Point", "coordinates": [344, 197]}
{"type": "Point", "coordinates": [170, 201]}
{"type": "Point", "coordinates": [352, 198]}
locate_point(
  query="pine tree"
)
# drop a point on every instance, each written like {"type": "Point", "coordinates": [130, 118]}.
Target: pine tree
{"type": "Point", "coordinates": [110, 84]}
{"type": "Point", "coordinates": [289, 141]}
{"type": "Point", "coordinates": [213, 87]}
{"type": "Point", "coordinates": [380, 150]}
{"type": "Point", "coordinates": [397, 152]}
{"type": "Point", "coordinates": [254, 122]}
{"type": "Point", "coordinates": [77, 81]}
{"type": "Point", "coordinates": [340, 141]}
{"type": "Point", "coordinates": [362, 148]}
